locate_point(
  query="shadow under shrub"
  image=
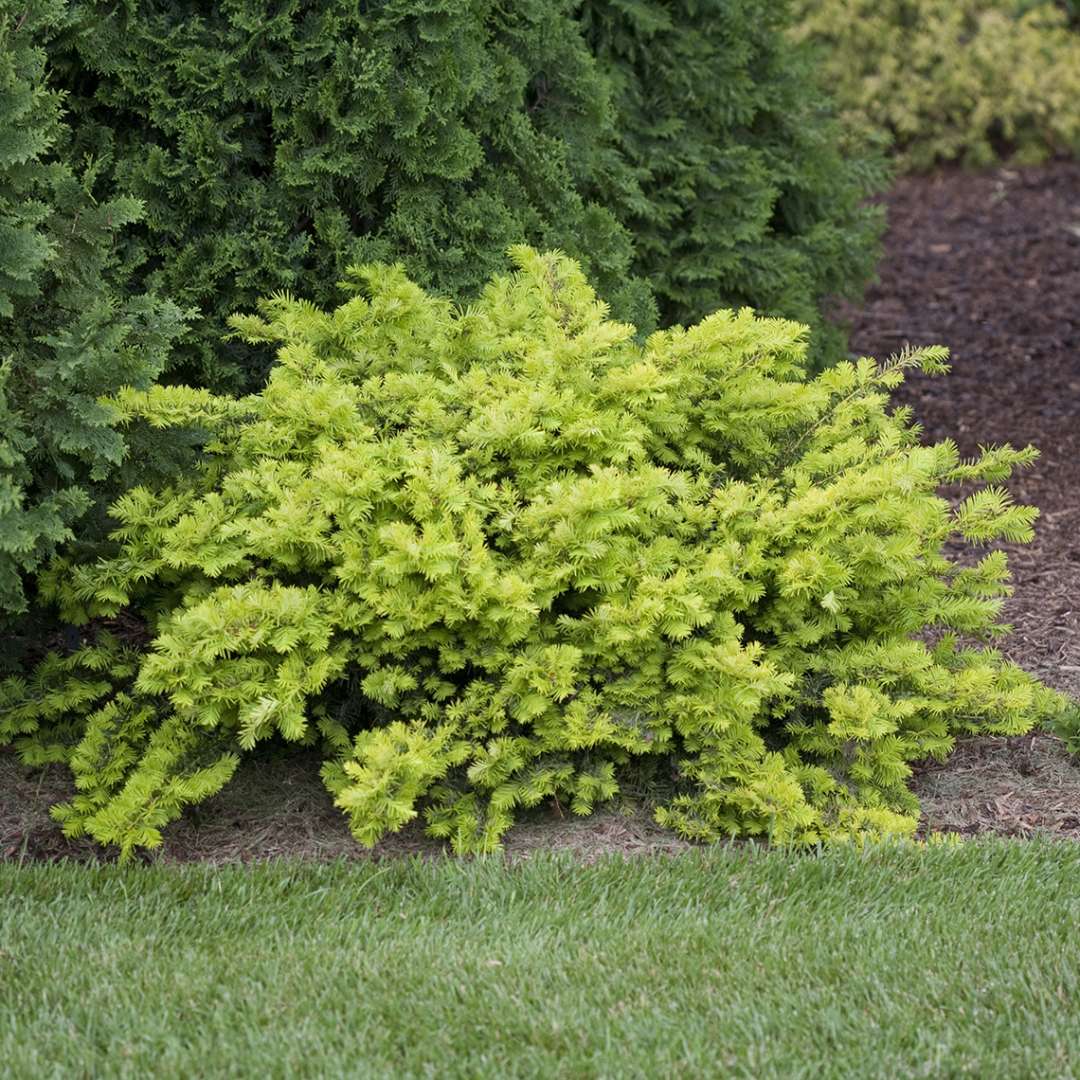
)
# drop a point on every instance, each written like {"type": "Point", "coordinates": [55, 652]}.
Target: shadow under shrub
{"type": "Point", "coordinates": [491, 555]}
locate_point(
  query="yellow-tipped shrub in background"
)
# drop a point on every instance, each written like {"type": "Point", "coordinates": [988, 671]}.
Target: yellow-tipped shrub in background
{"type": "Point", "coordinates": [973, 81]}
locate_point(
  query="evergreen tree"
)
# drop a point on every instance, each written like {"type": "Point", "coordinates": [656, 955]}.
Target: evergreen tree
{"type": "Point", "coordinates": [215, 153]}
{"type": "Point", "coordinates": [493, 555]}
{"type": "Point", "coordinates": [750, 193]}
{"type": "Point", "coordinates": [274, 145]}
{"type": "Point", "coordinates": [70, 327]}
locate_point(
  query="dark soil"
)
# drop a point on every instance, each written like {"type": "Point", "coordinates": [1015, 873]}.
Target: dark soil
{"type": "Point", "coordinates": [987, 264]}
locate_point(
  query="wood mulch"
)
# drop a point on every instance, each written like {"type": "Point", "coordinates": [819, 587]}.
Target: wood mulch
{"type": "Point", "coordinates": [988, 264]}
{"type": "Point", "coordinates": [276, 807]}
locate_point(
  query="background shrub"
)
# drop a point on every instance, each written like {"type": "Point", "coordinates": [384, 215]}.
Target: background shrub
{"type": "Point", "coordinates": [953, 80]}
{"type": "Point", "coordinates": [72, 327]}
{"type": "Point", "coordinates": [216, 153]}
{"type": "Point", "coordinates": [750, 195]}
{"type": "Point", "coordinates": [678, 146]}
{"type": "Point", "coordinates": [494, 554]}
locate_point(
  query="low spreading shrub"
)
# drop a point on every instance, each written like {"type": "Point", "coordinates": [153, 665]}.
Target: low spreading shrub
{"type": "Point", "coordinates": [69, 329]}
{"type": "Point", "coordinates": [495, 555]}
{"type": "Point", "coordinates": [953, 80]}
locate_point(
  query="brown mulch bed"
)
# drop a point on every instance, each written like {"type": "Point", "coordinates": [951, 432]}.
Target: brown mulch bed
{"type": "Point", "coordinates": [1019, 786]}
{"type": "Point", "coordinates": [276, 807]}
{"type": "Point", "coordinates": [987, 264]}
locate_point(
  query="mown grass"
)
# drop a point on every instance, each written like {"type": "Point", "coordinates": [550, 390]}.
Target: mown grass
{"type": "Point", "coordinates": [892, 962]}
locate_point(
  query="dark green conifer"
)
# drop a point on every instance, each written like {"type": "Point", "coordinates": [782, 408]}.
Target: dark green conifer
{"type": "Point", "coordinates": [677, 147]}
{"type": "Point", "coordinates": [749, 194]}
{"type": "Point", "coordinates": [275, 145]}
{"type": "Point", "coordinates": [72, 327]}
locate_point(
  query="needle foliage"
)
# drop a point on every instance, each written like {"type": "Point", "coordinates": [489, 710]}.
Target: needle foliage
{"type": "Point", "coordinates": [493, 555]}
{"type": "Point", "coordinates": [71, 328]}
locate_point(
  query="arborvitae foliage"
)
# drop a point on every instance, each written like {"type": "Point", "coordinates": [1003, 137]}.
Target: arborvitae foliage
{"type": "Point", "coordinates": [953, 80]}
{"type": "Point", "coordinates": [492, 555]}
{"type": "Point", "coordinates": [750, 195]}
{"type": "Point", "coordinates": [276, 145]}
{"type": "Point", "coordinates": [70, 330]}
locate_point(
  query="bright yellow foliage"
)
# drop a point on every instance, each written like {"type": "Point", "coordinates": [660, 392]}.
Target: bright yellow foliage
{"type": "Point", "coordinates": [972, 81]}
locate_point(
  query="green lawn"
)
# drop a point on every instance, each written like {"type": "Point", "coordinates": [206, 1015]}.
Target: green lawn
{"type": "Point", "coordinates": [896, 962]}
